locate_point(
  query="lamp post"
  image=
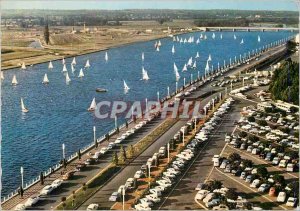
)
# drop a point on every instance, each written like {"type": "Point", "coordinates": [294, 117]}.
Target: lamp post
{"type": "Point", "coordinates": [157, 96]}
{"type": "Point", "coordinates": [183, 82]}
{"type": "Point", "coordinates": [191, 77]}
{"type": "Point", "coordinates": [168, 88]}
{"type": "Point", "coordinates": [176, 86]}
{"type": "Point", "coordinates": [22, 177]}
{"type": "Point", "coordinates": [63, 151]}
{"type": "Point", "coordinates": [95, 141]}
{"type": "Point", "coordinates": [123, 196]}
{"type": "Point", "coordinates": [149, 170]}
{"type": "Point", "coordinates": [146, 100]}
{"type": "Point", "coordinates": [168, 148]}
{"type": "Point", "coordinates": [198, 74]}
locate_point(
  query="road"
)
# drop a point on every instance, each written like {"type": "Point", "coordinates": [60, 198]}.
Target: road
{"type": "Point", "coordinates": [182, 196]}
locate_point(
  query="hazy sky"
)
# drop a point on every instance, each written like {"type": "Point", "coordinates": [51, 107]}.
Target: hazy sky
{"type": "Point", "coordinates": [151, 4]}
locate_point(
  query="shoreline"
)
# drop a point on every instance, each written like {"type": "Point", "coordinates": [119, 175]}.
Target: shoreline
{"type": "Point", "coordinates": [59, 57]}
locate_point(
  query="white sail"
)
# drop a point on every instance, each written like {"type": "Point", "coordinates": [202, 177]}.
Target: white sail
{"type": "Point", "coordinates": [174, 39]}
{"type": "Point", "coordinates": [74, 61]}
{"type": "Point", "coordinates": [50, 66]}
{"type": "Point", "coordinates": [209, 58]}
{"type": "Point", "coordinates": [184, 68]}
{"type": "Point", "coordinates": [201, 36]}
{"type": "Point", "coordinates": [143, 56]}
{"type": "Point", "coordinates": [184, 41]}
{"type": "Point", "coordinates": [194, 65]}
{"type": "Point", "coordinates": [205, 37]}
{"type": "Point", "coordinates": [157, 48]}
{"type": "Point", "coordinates": [175, 67]}
{"type": "Point", "coordinates": [234, 37]}
{"type": "Point", "coordinates": [159, 43]}
{"type": "Point", "coordinates": [80, 73]}
{"type": "Point", "coordinates": [23, 67]}
{"type": "Point", "coordinates": [207, 67]}
{"type": "Point", "coordinates": [106, 56]}
{"type": "Point", "coordinates": [145, 75]}
{"type": "Point", "coordinates": [67, 78]}
{"type": "Point", "coordinates": [221, 36]}
{"type": "Point", "coordinates": [242, 41]}
{"type": "Point", "coordinates": [24, 109]}
{"type": "Point", "coordinates": [72, 68]}
{"type": "Point", "coordinates": [190, 62]}
{"type": "Point", "coordinates": [181, 40]}
{"type": "Point", "coordinates": [176, 74]}
{"type": "Point", "coordinates": [177, 39]}
{"type": "Point", "coordinates": [126, 87]}
{"type": "Point", "coordinates": [63, 61]}
{"type": "Point", "coordinates": [197, 55]}
{"type": "Point", "coordinates": [87, 64]}
{"type": "Point", "coordinates": [213, 36]}
{"type": "Point", "coordinates": [45, 80]}
{"type": "Point", "coordinates": [14, 80]}
{"type": "Point", "coordinates": [198, 41]}
{"type": "Point", "coordinates": [93, 105]}
{"type": "Point", "coordinates": [258, 38]}
{"type": "Point", "coordinates": [173, 49]}
{"type": "Point", "coordinates": [2, 75]}
{"type": "Point", "coordinates": [65, 68]}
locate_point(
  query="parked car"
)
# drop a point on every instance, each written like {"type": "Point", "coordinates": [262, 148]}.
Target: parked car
{"type": "Point", "coordinates": [199, 186]}
{"type": "Point", "coordinates": [264, 187]}
{"type": "Point", "coordinates": [138, 174]}
{"type": "Point", "coordinates": [20, 207]}
{"type": "Point", "coordinates": [213, 202]}
{"type": "Point", "coordinates": [46, 190]}
{"type": "Point", "coordinates": [31, 201]}
{"type": "Point", "coordinates": [281, 197]}
{"type": "Point", "coordinates": [282, 163]}
{"type": "Point", "coordinates": [56, 183]}
{"type": "Point", "coordinates": [291, 202]}
{"type": "Point", "coordinates": [255, 183]}
{"type": "Point", "coordinates": [93, 207]}
{"type": "Point", "coordinates": [114, 196]}
{"type": "Point", "coordinates": [201, 194]}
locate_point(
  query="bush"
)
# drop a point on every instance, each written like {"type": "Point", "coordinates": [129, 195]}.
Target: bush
{"type": "Point", "coordinates": [242, 134]}
{"type": "Point", "coordinates": [263, 123]}
{"type": "Point", "coordinates": [247, 163]}
{"type": "Point", "coordinates": [253, 138]}
{"type": "Point", "coordinates": [262, 172]}
{"type": "Point", "coordinates": [251, 119]}
{"type": "Point", "coordinates": [233, 157]}
{"type": "Point", "coordinates": [231, 194]}
{"type": "Point", "coordinates": [213, 185]}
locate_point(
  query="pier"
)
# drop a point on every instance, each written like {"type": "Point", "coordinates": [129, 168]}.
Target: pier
{"type": "Point", "coordinates": [247, 29]}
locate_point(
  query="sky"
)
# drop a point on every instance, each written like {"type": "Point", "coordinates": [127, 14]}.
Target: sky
{"type": "Point", "coordinates": [150, 4]}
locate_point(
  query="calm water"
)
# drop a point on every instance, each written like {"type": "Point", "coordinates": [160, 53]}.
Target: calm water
{"type": "Point", "coordinates": [58, 112]}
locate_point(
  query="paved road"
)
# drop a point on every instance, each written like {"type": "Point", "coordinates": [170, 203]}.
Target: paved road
{"type": "Point", "coordinates": [182, 196]}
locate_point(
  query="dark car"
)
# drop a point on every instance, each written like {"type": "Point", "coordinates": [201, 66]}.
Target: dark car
{"type": "Point", "coordinates": [90, 161]}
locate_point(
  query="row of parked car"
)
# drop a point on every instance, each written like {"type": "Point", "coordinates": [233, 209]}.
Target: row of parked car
{"type": "Point", "coordinates": [249, 175]}
{"type": "Point", "coordinates": [34, 199]}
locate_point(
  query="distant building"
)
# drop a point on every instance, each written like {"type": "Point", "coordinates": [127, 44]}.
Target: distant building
{"type": "Point", "coordinates": [263, 105]}
{"type": "Point", "coordinates": [149, 30]}
{"type": "Point", "coordinates": [285, 106]}
{"type": "Point", "coordinates": [257, 16]}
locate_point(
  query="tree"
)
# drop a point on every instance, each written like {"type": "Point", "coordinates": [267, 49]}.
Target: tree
{"type": "Point", "coordinates": [231, 194]}
{"type": "Point", "coordinates": [294, 110]}
{"type": "Point", "coordinates": [73, 198]}
{"type": "Point", "coordinates": [279, 180]}
{"type": "Point", "coordinates": [233, 157]}
{"type": "Point", "coordinates": [122, 154]}
{"type": "Point", "coordinates": [46, 33]}
{"type": "Point", "coordinates": [115, 159]}
{"type": "Point", "coordinates": [213, 185]}
{"type": "Point", "coordinates": [263, 123]}
{"type": "Point", "coordinates": [253, 138]}
{"type": "Point", "coordinates": [251, 119]}
{"type": "Point", "coordinates": [293, 155]}
{"type": "Point", "coordinates": [268, 110]}
{"type": "Point", "coordinates": [131, 151]}
{"type": "Point", "coordinates": [63, 200]}
{"type": "Point", "coordinates": [280, 149]}
{"type": "Point", "coordinates": [247, 163]}
{"type": "Point", "coordinates": [242, 134]}
{"type": "Point", "coordinates": [84, 187]}
{"type": "Point", "coordinates": [262, 172]}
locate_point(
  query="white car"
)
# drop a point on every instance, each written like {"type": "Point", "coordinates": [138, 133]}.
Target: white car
{"type": "Point", "coordinates": [264, 187]}
{"type": "Point", "coordinates": [169, 174]}
{"type": "Point", "coordinates": [119, 140]}
{"type": "Point", "coordinates": [56, 183]}
{"type": "Point", "coordinates": [164, 183]}
{"type": "Point", "coordinates": [103, 150]}
{"type": "Point", "coordinates": [153, 197]}
{"type": "Point", "coordinates": [93, 207]}
{"type": "Point", "coordinates": [160, 188]}
{"type": "Point", "coordinates": [142, 207]}
{"type": "Point", "coordinates": [255, 183]}
{"type": "Point", "coordinates": [138, 174]}
{"type": "Point", "coordinates": [201, 194]}
{"type": "Point", "coordinates": [155, 191]}
{"type": "Point", "coordinates": [173, 171]}
{"type": "Point", "coordinates": [46, 190]}
{"type": "Point", "coordinates": [32, 201]}
{"type": "Point", "coordinates": [281, 197]}
{"type": "Point", "coordinates": [291, 202]}
{"type": "Point", "coordinates": [20, 207]}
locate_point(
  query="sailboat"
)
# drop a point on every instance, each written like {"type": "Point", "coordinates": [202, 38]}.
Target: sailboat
{"type": "Point", "coordinates": [197, 55]}
{"type": "Point", "coordinates": [23, 67]}
{"type": "Point", "coordinates": [201, 36]}
{"type": "Point", "coordinates": [242, 42]}
{"type": "Point", "coordinates": [87, 64]}
{"type": "Point", "coordinates": [221, 36]}
{"type": "Point", "coordinates": [14, 80]}
{"type": "Point", "coordinates": [157, 48]}
{"type": "Point", "coordinates": [194, 65]}
{"type": "Point", "coordinates": [126, 87]}
{"type": "Point", "coordinates": [205, 37]}
{"type": "Point", "coordinates": [50, 66]}
{"type": "Point", "coordinates": [72, 68]}
{"type": "Point", "coordinates": [145, 75]}
{"type": "Point", "coordinates": [177, 39]}
{"type": "Point", "coordinates": [80, 73]}
{"type": "Point", "coordinates": [45, 80]}
{"type": "Point", "coordinates": [184, 41]}
{"type": "Point", "coordinates": [173, 49]}
{"type": "Point", "coordinates": [67, 78]}
{"type": "Point", "coordinates": [74, 61]}
{"type": "Point", "coordinates": [190, 62]}
{"type": "Point", "coordinates": [181, 40]}
{"type": "Point", "coordinates": [175, 67]}
{"type": "Point", "coordinates": [65, 68]}
{"type": "Point", "coordinates": [106, 56]}
{"type": "Point", "coordinates": [2, 76]}
{"type": "Point", "coordinates": [176, 73]}
{"type": "Point", "coordinates": [258, 38]}
{"type": "Point", "coordinates": [159, 43]}
{"type": "Point", "coordinates": [93, 105]}
{"type": "Point", "coordinates": [184, 68]}
{"type": "Point", "coordinates": [213, 36]}
{"type": "Point", "coordinates": [234, 37]}
{"type": "Point", "coordinates": [63, 61]}
{"type": "Point", "coordinates": [209, 58]}
{"type": "Point", "coordinates": [198, 41]}
{"type": "Point", "coordinates": [206, 68]}
{"type": "Point", "coordinates": [24, 109]}
{"type": "Point", "coordinates": [174, 39]}
{"type": "Point", "coordinates": [143, 56]}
